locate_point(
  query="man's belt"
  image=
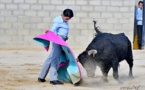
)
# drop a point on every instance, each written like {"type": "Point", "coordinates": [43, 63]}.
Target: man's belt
{"type": "Point", "coordinates": [64, 37]}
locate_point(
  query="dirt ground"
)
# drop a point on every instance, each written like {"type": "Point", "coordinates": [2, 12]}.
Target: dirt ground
{"type": "Point", "coordinates": [19, 70]}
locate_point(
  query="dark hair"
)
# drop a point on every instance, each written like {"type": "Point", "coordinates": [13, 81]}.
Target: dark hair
{"type": "Point", "coordinates": [140, 2]}
{"type": "Point", "coordinates": [68, 13]}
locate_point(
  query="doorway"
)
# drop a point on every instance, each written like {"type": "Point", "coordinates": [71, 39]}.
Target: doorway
{"type": "Point", "coordinates": [135, 41]}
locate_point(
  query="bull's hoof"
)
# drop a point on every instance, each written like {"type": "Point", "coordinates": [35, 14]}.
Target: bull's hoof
{"type": "Point", "coordinates": [104, 80]}
{"type": "Point", "coordinates": [120, 82]}
{"type": "Point", "coordinates": [131, 77]}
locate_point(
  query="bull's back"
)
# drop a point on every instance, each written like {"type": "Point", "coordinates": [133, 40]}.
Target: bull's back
{"type": "Point", "coordinates": [122, 46]}
{"type": "Point", "coordinates": [118, 44]}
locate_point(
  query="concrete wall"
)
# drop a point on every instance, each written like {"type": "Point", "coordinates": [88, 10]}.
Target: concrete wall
{"type": "Point", "coordinates": [21, 20]}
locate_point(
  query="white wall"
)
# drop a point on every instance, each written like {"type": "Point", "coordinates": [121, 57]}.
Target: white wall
{"type": "Point", "coordinates": [21, 20]}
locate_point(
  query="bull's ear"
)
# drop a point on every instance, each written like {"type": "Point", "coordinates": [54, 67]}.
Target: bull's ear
{"type": "Point", "coordinates": [92, 52]}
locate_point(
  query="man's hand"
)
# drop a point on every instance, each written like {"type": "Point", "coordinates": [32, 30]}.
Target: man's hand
{"type": "Point", "coordinates": [46, 31]}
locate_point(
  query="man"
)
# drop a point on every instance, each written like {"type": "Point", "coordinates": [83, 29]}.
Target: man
{"type": "Point", "coordinates": [139, 18]}
{"type": "Point", "coordinates": [61, 28]}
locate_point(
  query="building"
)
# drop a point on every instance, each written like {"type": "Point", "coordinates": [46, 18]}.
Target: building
{"type": "Point", "coordinates": [21, 20]}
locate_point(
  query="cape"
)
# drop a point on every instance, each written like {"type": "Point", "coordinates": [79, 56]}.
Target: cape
{"type": "Point", "coordinates": [69, 70]}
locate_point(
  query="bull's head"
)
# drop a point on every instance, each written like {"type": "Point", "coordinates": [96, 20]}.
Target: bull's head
{"type": "Point", "coordinates": [87, 59]}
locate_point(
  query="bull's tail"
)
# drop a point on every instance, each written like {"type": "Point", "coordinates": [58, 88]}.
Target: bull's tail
{"type": "Point", "coordinates": [96, 28]}
{"type": "Point", "coordinates": [130, 54]}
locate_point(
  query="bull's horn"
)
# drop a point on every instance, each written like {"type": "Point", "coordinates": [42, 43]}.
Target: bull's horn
{"type": "Point", "coordinates": [77, 59]}
{"type": "Point", "coordinates": [92, 52]}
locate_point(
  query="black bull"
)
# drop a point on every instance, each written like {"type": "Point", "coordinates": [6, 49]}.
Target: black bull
{"type": "Point", "coordinates": [106, 50]}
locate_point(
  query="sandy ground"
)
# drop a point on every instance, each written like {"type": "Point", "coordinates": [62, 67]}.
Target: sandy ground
{"type": "Point", "coordinates": [19, 70]}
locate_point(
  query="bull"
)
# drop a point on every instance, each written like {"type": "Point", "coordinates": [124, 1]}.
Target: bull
{"type": "Point", "coordinates": [106, 51]}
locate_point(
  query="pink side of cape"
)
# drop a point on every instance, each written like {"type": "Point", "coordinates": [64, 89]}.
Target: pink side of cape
{"type": "Point", "coordinates": [52, 37]}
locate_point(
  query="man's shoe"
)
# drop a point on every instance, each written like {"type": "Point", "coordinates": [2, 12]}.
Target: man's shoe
{"type": "Point", "coordinates": [55, 82]}
{"type": "Point", "coordinates": [41, 80]}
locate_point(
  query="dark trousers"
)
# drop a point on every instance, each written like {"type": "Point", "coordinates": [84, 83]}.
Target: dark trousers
{"type": "Point", "coordinates": [139, 32]}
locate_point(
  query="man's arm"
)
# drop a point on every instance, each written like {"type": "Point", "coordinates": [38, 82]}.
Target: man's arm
{"type": "Point", "coordinates": [54, 27]}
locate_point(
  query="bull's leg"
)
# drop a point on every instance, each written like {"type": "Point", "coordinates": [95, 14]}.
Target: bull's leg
{"type": "Point", "coordinates": [130, 63]}
{"type": "Point", "coordinates": [129, 60]}
{"type": "Point", "coordinates": [105, 71]}
{"type": "Point", "coordinates": [115, 71]}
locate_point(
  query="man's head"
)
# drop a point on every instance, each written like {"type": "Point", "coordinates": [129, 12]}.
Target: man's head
{"type": "Point", "coordinates": [67, 15]}
{"type": "Point", "coordinates": [87, 60]}
{"type": "Point", "coordinates": [140, 4]}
